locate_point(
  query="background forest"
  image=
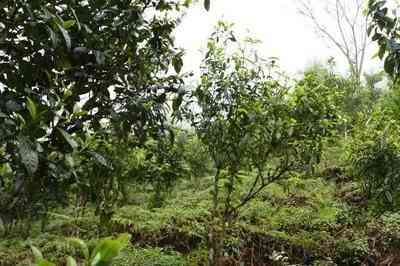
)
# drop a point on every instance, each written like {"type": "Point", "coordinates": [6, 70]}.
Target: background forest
{"type": "Point", "coordinates": [111, 154]}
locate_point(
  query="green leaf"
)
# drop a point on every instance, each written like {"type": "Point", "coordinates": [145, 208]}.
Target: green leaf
{"type": "Point", "coordinates": [177, 63]}
{"type": "Point", "coordinates": [71, 261]}
{"type": "Point", "coordinates": [76, 19]}
{"type": "Point", "coordinates": [96, 260]}
{"type": "Point", "coordinates": [36, 253]}
{"type": "Point", "coordinates": [69, 139]}
{"type": "Point", "coordinates": [187, 3]}
{"type": "Point", "coordinates": [382, 51]}
{"type": "Point", "coordinates": [80, 244]}
{"type": "Point", "coordinates": [68, 24]}
{"type": "Point", "coordinates": [65, 34]}
{"type": "Point", "coordinates": [388, 196]}
{"type": "Point", "coordinates": [69, 160]}
{"type": "Point", "coordinates": [53, 37]}
{"type": "Point", "coordinates": [376, 37]}
{"type": "Point", "coordinates": [207, 5]}
{"type": "Point", "coordinates": [29, 157]}
{"type": "Point", "coordinates": [31, 106]}
{"type": "Point", "coordinates": [44, 263]}
{"type": "Point", "coordinates": [107, 249]}
{"type": "Point", "coordinates": [389, 65]}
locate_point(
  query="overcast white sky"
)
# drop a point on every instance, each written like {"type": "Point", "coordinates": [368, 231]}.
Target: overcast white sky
{"type": "Point", "coordinates": [284, 32]}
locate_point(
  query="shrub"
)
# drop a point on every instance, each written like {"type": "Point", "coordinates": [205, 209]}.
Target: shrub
{"type": "Point", "coordinates": [103, 253]}
{"type": "Point", "coordinates": [376, 160]}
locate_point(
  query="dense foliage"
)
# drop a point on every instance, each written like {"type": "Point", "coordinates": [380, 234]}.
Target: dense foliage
{"type": "Point", "coordinates": [383, 29]}
{"type": "Point", "coordinates": [67, 69]}
{"type": "Point", "coordinates": [101, 135]}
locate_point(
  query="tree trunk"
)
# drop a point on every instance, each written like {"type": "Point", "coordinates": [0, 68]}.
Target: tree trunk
{"type": "Point", "coordinates": [214, 236]}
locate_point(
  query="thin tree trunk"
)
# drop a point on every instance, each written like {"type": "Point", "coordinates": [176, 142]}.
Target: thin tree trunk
{"type": "Point", "coordinates": [214, 239]}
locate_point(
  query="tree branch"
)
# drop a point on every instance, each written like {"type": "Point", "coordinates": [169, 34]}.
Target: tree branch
{"type": "Point", "coordinates": [351, 30]}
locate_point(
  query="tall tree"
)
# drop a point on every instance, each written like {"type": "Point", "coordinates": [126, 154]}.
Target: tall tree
{"type": "Point", "coordinates": [256, 130]}
{"type": "Point", "coordinates": [67, 66]}
{"type": "Point", "coordinates": [347, 30]}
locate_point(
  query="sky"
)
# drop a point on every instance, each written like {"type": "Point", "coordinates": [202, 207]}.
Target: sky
{"type": "Point", "coordinates": [284, 33]}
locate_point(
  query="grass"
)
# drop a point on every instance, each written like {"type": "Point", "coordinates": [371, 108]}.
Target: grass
{"type": "Point", "coordinates": [305, 218]}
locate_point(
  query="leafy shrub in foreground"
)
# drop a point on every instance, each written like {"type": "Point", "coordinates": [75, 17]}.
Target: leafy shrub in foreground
{"type": "Point", "coordinates": [105, 251]}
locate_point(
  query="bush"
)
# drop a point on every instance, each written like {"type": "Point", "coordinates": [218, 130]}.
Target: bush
{"type": "Point", "coordinates": [377, 161]}
{"type": "Point", "coordinates": [102, 254]}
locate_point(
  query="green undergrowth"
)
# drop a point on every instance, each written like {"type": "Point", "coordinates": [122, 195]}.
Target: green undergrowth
{"type": "Point", "coordinates": [307, 219]}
